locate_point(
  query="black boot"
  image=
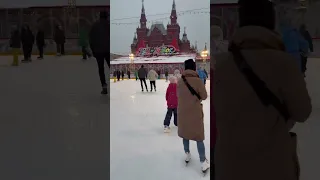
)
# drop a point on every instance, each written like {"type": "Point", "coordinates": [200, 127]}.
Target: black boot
{"type": "Point", "coordinates": [104, 90]}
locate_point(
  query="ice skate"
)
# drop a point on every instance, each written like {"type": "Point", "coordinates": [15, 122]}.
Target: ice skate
{"type": "Point", "coordinates": [188, 158]}
{"type": "Point", "coordinates": [166, 129]}
{"type": "Point", "coordinates": [205, 167]}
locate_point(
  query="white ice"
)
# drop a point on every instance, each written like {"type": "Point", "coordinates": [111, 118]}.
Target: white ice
{"type": "Point", "coordinates": [140, 150]}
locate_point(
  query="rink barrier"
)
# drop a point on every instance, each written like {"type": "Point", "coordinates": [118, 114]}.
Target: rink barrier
{"type": "Point", "coordinates": [133, 77]}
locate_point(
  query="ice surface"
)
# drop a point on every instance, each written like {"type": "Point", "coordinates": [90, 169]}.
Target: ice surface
{"type": "Point", "coordinates": [139, 148]}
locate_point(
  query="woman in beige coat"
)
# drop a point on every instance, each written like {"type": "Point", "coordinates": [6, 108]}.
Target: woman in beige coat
{"type": "Point", "coordinates": [253, 140]}
{"type": "Point", "coordinates": [153, 76]}
{"type": "Point", "coordinates": [190, 113]}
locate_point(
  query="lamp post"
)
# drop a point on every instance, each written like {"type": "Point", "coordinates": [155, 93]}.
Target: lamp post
{"type": "Point", "coordinates": [131, 56]}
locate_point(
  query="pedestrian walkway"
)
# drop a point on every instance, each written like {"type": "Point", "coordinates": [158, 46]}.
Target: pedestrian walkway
{"type": "Point", "coordinates": [54, 124]}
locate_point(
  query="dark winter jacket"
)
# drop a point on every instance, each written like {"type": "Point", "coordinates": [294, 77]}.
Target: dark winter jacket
{"type": "Point", "coordinates": [142, 73]}
{"type": "Point", "coordinates": [99, 37]}
{"type": "Point", "coordinates": [307, 37]}
{"type": "Point", "coordinates": [40, 38]}
{"type": "Point", "coordinates": [122, 73]}
{"type": "Point", "coordinates": [166, 73]}
{"type": "Point", "coordinates": [118, 74]}
{"type": "Point", "coordinates": [59, 36]}
{"type": "Point", "coordinates": [15, 40]}
{"type": "Point", "coordinates": [27, 37]}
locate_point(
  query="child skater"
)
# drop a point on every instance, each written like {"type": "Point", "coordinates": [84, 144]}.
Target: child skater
{"type": "Point", "coordinates": [172, 102]}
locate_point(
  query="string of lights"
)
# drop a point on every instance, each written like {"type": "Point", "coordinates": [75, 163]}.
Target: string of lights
{"type": "Point", "coordinates": [161, 19]}
{"type": "Point", "coordinates": [161, 14]}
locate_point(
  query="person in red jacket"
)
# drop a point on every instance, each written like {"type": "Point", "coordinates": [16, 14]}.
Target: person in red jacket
{"type": "Point", "coordinates": [172, 102]}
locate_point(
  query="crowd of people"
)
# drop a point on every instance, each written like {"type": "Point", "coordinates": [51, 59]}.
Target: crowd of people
{"type": "Point", "coordinates": [94, 43]}
{"type": "Point", "coordinates": [25, 39]}
{"type": "Point", "coordinates": [259, 94]}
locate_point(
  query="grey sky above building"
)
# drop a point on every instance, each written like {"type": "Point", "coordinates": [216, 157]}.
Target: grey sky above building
{"type": "Point", "coordinates": [197, 25]}
{"type": "Point", "coordinates": [29, 3]}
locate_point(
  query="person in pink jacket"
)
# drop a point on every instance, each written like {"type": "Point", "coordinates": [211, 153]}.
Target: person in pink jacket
{"type": "Point", "coordinates": [172, 103]}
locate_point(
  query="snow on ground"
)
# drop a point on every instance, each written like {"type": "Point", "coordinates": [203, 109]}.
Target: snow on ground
{"type": "Point", "coordinates": [139, 148]}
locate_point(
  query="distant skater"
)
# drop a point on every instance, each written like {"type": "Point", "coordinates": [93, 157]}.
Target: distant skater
{"type": "Point", "coordinates": [152, 76]}
{"type": "Point", "coordinates": [128, 73]}
{"type": "Point", "coordinates": [118, 75]}
{"type": "Point", "coordinates": [166, 74]}
{"type": "Point", "coordinates": [142, 74]}
{"type": "Point", "coordinates": [122, 75]}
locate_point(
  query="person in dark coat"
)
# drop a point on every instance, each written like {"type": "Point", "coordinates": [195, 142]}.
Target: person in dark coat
{"type": "Point", "coordinates": [206, 73]}
{"type": "Point", "coordinates": [159, 73]}
{"type": "Point", "coordinates": [142, 74]}
{"type": "Point", "coordinates": [40, 42]}
{"type": "Point", "coordinates": [122, 74]}
{"type": "Point", "coordinates": [305, 33]}
{"type": "Point", "coordinates": [166, 74]}
{"type": "Point", "coordinates": [60, 39]}
{"type": "Point", "coordinates": [27, 40]}
{"type": "Point", "coordinates": [118, 75]}
{"type": "Point", "coordinates": [15, 44]}
{"type": "Point", "coordinates": [128, 73]}
{"type": "Point", "coordinates": [115, 74]}
{"type": "Point", "coordinates": [99, 40]}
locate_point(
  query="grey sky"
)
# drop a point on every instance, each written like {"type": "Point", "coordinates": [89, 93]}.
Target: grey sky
{"type": "Point", "coordinates": [28, 3]}
{"type": "Point", "coordinates": [197, 25]}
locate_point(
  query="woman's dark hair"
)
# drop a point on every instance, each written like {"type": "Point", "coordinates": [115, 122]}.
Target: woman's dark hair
{"type": "Point", "coordinates": [257, 13]}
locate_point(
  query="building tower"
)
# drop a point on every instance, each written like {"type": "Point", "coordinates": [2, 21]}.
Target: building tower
{"type": "Point", "coordinates": [185, 43]}
{"type": "Point", "coordinates": [142, 30]}
{"type": "Point", "coordinates": [173, 28]}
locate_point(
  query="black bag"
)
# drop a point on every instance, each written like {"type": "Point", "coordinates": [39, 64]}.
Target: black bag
{"type": "Point", "coordinates": [193, 92]}
{"type": "Point", "coordinates": [265, 95]}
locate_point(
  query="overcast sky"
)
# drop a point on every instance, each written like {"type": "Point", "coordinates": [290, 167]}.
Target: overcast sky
{"type": "Point", "coordinates": [28, 3]}
{"type": "Point", "coordinates": [197, 25]}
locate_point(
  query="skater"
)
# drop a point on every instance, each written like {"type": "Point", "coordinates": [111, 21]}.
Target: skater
{"type": "Point", "coordinates": [136, 74]}
{"type": "Point", "coordinates": [15, 44]}
{"type": "Point", "coordinates": [27, 40]}
{"type": "Point", "coordinates": [100, 46]}
{"type": "Point", "coordinates": [40, 42]}
{"type": "Point", "coordinates": [304, 56]}
{"type": "Point", "coordinates": [202, 74]}
{"type": "Point", "coordinates": [159, 74]}
{"type": "Point", "coordinates": [254, 139]}
{"type": "Point", "coordinates": [122, 75]}
{"type": "Point", "coordinates": [129, 73]}
{"type": "Point", "coordinates": [294, 42]}
{"type": "Point", "coordinates": [84, 44]}
{"type": "Point", "coordinates": [118, 75]}
{"type": "Point", "coordinates": [60, 39]}
{"type": "Point", "coordinates": [114, 74]}
{"type": "Point", "coordinates": [191, 93]}
{"type": "Point", "coordinates": [152, 76]}
{"type": "Point", "coordinates": [166, 74]}
{"type": "Point", "coordinates": [172, 103]}
{"type": "Point", "coordinates": [205, 79]}
{"type": "Point", "coordinates": [142, 74]}
{"type": "Point", "coordinates": [177, 74]}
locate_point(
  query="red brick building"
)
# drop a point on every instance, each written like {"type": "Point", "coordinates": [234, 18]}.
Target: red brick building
{"type": "Point", "coordinates": [157, 35]}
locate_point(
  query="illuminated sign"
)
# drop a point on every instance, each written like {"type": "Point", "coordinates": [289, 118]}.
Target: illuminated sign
{"type": "Point", "coordinates": [157, 51]}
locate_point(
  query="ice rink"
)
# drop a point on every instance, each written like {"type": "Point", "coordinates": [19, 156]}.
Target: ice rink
{"type": "Point", "coordinates": [54, 125]}
{"type": "Point", "coordinates": [139, 147]}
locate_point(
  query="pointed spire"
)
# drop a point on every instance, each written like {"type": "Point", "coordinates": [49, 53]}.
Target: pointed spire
{"type": "Point", "coordinates": [196, 46]}
{"type": "Point", "coordinates": [174, 5]}
{"type": "Point", "coordinates": [184, 30]}
{"type": "Point", "coordinates": [205, 46]}
{"type": "Point", "coordinates": [142, 9]}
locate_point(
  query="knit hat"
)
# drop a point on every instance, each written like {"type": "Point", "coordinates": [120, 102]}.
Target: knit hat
{"type": "Point", "coordinates": [189, 64]}
{"type": "Point", "coordinates": [257, 13]}
{"type": "Point", "coordinates": [172, 79]}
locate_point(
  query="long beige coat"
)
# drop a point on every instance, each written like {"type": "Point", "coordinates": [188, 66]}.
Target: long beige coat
{"type": "Point", "coordinates": [253, 140]}
{"type": "Point", "coordinates": [190, 113]}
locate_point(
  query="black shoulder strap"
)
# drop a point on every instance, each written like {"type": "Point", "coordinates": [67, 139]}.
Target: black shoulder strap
{"type": "Point", "coordinates": [265, 95]}
{"type": "Point", "coordinates": [193, 92]}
